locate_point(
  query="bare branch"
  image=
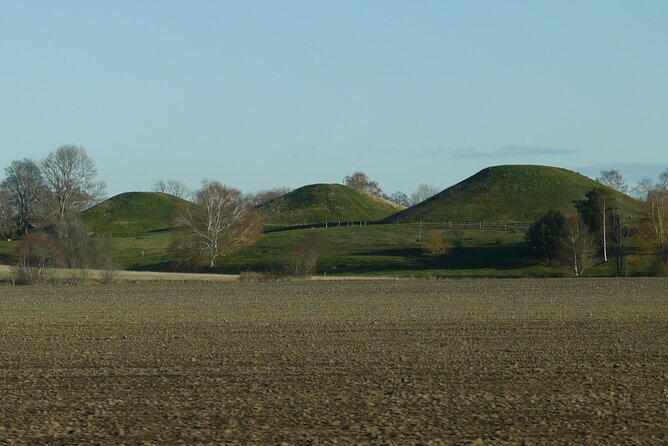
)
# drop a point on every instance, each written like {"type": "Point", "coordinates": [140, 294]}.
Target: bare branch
{"type": "Point", "coordinates": [224, 222]}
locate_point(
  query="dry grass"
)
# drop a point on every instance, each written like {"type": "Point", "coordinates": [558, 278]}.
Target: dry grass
{"type": "Point", "coordinates": [129, 276]}
{"type": "Point", "coordinates": [384, 362]}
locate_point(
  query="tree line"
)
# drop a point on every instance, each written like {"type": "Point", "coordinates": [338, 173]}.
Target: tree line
{"type": "Point", "coordinates": [600, 228]}
{"type": "Point", "coordinates": [41, 202]}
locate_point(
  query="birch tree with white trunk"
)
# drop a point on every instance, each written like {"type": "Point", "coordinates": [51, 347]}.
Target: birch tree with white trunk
{"type": "Point", "coordinates": [222, 222]}
{"type": "Point", "coordinates": [577, 245]}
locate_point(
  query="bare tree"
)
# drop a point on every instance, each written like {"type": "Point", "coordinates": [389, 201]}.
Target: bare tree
{"type": "Point", "coordinates": [303, 259]}
{"type": "Point", "coordinates": [422, 193]}
{"type": "Point", "coordinates": [577, 245]}
{"type": "Point", "coordinates": [172, 187]}
{"type": "Point", "coordinates": [69, 174]}
{"type": "Point", "coordinates": [642, 188]}
{"type": "Point", "coordinates": [6, 224]}
{"type": "Point", "coordinates": [223, 222]}
{"type": "Point", "coordinates": [657, 209]}
{"type": "Point", "coordinates": [24, 187]}
{"type": "Point", "coordinates": [36, 258]}
{"type": "Point", "coordinates": [619, 234]}
{"type": "Point", "coordinates": [614, 180]}
{"type": "Point", "coordinates": [663, 180]}
{"type": "Point", "coordinates": [265, 196]}
{"type": "Point", "coordinates": [361, 181]}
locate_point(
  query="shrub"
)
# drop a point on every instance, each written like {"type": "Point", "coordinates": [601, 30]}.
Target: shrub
{"type": "Point", "coordinates": [109, 273]}
{"type": "Point", "coordinates": [434, 243]}
{"type": "Point", "coordinates": [660, 268]}
{"type": "Point", "coordinates": [36, 257]}
{"type": "Point", "coordinates": [252, 276]}
{"type": "Point", "coordinates": [302, 260]}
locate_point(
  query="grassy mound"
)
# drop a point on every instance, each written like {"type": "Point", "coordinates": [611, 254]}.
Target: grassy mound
{"type": "Point", "coordinates": [134, 213]}
{"type": "Point", "coordinates": [319, 203]}
{"type": "Point", "coordinates": [510, 193]}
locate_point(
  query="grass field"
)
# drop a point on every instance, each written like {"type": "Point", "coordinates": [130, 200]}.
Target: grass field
{"type": "Point", "coordinates": [388, 249]}
{"type": "Point", "coordinates": [403, 362]}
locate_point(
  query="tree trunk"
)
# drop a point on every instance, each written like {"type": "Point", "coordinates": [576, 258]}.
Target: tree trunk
{"type": "Point", "coordinates": [605, 242]}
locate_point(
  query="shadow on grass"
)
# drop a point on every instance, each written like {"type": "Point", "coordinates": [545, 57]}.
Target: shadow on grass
{"type": "Point", "coordinates": [152, 267]}
{"type": "Point", "coordinates": [383, 261]}
{"type": "Point", "coordinates": [413, 259]}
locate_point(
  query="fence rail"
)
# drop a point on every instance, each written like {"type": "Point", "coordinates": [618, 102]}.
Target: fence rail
{"type": "Point", "coordinates": [447, 224]}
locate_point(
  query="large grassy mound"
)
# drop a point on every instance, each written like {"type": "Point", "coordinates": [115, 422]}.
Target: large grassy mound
{"type": "Point", "coordinates": [319, 203]}
{"type": "Point", "coordinates": [134, 213]}
{"type": "Point", "coordinates": [510, 193]}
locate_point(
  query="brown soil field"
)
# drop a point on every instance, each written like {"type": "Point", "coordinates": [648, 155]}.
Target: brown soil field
{"type": "Point", "coordinates": [378, 362]}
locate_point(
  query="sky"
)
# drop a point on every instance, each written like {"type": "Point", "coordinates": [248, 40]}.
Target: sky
{"type": "Point", "coordinates": [263, 94]}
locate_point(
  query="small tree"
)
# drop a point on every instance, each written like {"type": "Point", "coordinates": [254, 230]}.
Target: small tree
{"type": "Point", "coordinates": [70, 177]}
{"type": "Point", "coordinates": [594, 210]}
{"type": "Point", "coordinates": [422, 193]}
{"type": "Point", "coordinates": [303, 259]}
{"type": "Point", "coordinates": [663, 180]}
{"type": "Point", "coordinates": [577, 245]}
{"type": "Point", "coordinates": [544, 232]}
{"type": "Point", "coordinates": [642, 188]}
{"type": "Point", "coordinates": [224, 222]}
{"type": "Point", "coordinates": [80, 249]}
{"type": "Point", "coordinates": [618, 235]}
{"type": "Point", "coordinates": [361, 181]}
{"type": "Point", "coordinates": [656, 207]}
{"type": "Point", "coordinates": [265, 196]}
{"type": "Point", "coordinates": [614, 180]}
{"type": "Point", "coordinates": [400, 198]}
{"type": "Point", "coordinates": [172, 187]}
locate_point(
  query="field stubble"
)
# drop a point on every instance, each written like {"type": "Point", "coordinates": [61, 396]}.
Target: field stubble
{"type": "Point", "coordinates": [401, 362]}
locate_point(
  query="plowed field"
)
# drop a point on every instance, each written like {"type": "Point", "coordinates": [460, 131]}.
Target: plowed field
{"type": "Point", "coordinates": [378, 362]}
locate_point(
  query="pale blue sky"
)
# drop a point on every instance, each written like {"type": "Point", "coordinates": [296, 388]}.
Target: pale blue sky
{"type": "Point", "coordinates": [260, 94]}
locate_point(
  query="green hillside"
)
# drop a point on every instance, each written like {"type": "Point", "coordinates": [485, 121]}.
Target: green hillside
{"type": "Point", "coordinates": [319, 203]}
{"type": "Point", "coordinates": [511, 193]}
{"type": "Point", "coordinates": [134, 212]}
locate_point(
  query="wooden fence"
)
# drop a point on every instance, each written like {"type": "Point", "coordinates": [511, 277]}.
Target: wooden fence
{"type": "Point", "coordinates": [446, 224]}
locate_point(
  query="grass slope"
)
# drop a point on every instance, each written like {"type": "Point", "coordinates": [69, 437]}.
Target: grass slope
{"type": "Point", "coordinates": [134, 212]}
{"type": "Point", "coordinates": [379, 250]}
{"type": "Point", "coordinates": [318, 203]}
{"type": "Point", "coordinates": [512, 193]}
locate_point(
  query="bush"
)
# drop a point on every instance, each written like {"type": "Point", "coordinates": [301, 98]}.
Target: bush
{"type": "Point", "coordinates": [81, 251]}
{"type": "Point", "coordinates": [544, 232]}
{"type": "Point", "coordinates": [252, 276]}
{"type": "Point", "coordinates": [302, 260]}
{"type": "Point", "coordinates": [660, 268]}
{"type": "Point", "coordinates": [36, 257]}
{"type": "Point", "coordinates": [109, 273]}
{"type": "Point", "coordinates": [434, 243]}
